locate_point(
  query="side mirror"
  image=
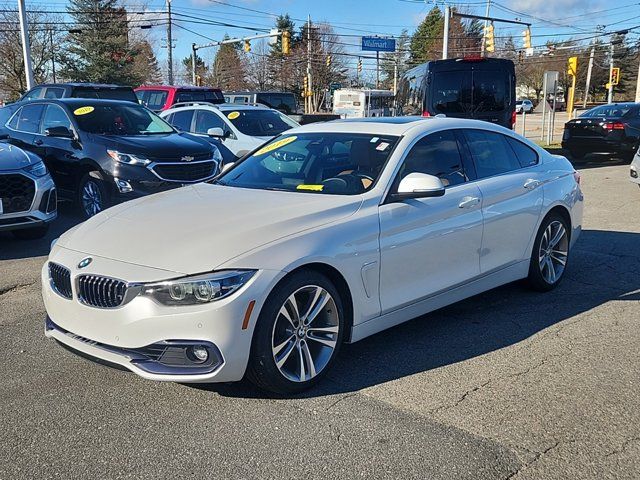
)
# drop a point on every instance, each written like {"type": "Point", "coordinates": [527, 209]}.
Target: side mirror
{"type": "Point", "coordinates": [61, 132]}
{"type": "Point", "coordinates": [216, 132]}
{"type": "Point", "coordinates": [419, 185]}
{"type": "Point", "coordinates": [227, 166]}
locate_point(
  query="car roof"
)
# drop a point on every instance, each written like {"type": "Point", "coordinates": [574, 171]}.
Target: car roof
{"type": "Point", "coordinates": [177, 87]}
{"type": "Point", "coordinates": [396, 125]}
{"type": "Point", "coordinates": [74, 101]}
{"type": "Point", "coordinates": [83, 84]}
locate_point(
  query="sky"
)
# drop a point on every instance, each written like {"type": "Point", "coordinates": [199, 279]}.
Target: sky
{"type": "Point", "coordinates": [550, 19]}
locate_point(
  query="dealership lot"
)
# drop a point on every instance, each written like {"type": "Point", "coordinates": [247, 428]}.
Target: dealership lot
{"type": "Point", "coordinates": [508, 384]}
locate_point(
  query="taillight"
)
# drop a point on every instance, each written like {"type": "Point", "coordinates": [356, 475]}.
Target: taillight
{"type": "Point", "coordinates": [513, 119]}
{"type": "Point", "coordinates": [613, 126]}
{"type": "Point", "coordinates": [425, 113]}
{"type": "Point", "coordinates": [577, 177]}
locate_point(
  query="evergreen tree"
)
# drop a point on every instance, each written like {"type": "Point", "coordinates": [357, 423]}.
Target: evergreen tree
{"type": "Point", "coordinates": [399, 57]}
{"type": "Point", "coordinates": [100, 50]}
{"type": "Point", "coordinates": [201, 68]}
{"type": "Point", "coordinates": [279, 65]}
{"type": "Point", "coordinates": [426, 42]}
{"type": "Point", "coordinates": [228, 72]}
{"type": "Point", "coordinates": [145, 67]}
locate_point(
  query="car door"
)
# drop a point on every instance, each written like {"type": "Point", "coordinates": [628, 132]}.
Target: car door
{"type": "Point", "coordinates": [24, 125]}
{"type": "Point", "coordinates": [511, 196]}
{"type": "Point", "coordinates": [206, 119]}
{"type": "Point", "coordinates": [59, 154]}
{"type": "Point", "coordinates": [431, 244]}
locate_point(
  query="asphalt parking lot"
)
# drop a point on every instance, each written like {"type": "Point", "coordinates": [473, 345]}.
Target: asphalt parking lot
{"type": "Point", "coordinates": [508, 384]}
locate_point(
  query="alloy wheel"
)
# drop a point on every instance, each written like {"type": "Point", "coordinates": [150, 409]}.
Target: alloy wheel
{"type": "Point", "coordinates": [553, 253]}
{"type": "Point", "coordinates": [305, 333]}
{"type": "Point", "coordinates": [91, 198]}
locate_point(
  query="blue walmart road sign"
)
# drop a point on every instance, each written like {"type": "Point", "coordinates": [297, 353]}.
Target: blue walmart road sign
{"type": "Point", "coordinates": [377, 44]}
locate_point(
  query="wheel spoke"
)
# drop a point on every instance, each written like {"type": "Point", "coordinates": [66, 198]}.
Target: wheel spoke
{"type": "Point", "coordinates": [278, 349]}
{"type": "Point", "coordinates": [559, 257]}
{"type": "Point", "coordinates": [294, 307]}
{"type": "Point", "coordinates": [285, 355]}
{"type": "Point", "coordinates": [285, 313]}
{"type": "Point", "coordinates": [557, 237]}
{"type": "Point", "coordinates": [332, 329]}
{"type": "Point", "coordinates": [307, 355]}
{"type": "Point", "coordinates": [551, 270]}
{"type": "Point", "coordinates": [320, 299]}
{"type": "Point", "coordinates": [302, 375]}
{"type": "Point", "coordinates": [324, 341]}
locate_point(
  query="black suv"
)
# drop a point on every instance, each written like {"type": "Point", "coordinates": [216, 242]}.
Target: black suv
{"type": "Point", "coordinates": [104, 151]}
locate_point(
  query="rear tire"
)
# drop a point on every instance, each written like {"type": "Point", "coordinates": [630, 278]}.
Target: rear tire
{"type": "Point", "coordinates": [550, 253]}
{"type": "Point", "coordinates": [298, 334]}
{"type": "Point", "coordinates": [33, 233]}
{"type": "Point", "coordinates": [92, 196]}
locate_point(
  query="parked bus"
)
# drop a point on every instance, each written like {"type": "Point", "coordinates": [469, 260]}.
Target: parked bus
{"type": "Point", "coordinates": [479, 88]}
{"type": "Point", "coordinates": [352, 103]}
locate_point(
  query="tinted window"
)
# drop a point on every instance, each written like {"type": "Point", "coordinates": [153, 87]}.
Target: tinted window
{"type": "Point", "coordinates": [438, 155]}
{"type": "Point", "coordinates": [491, 153]}
{"type": "Point", "coordinates": [451, 92]}
{"type": "Point", "coordinates": [489, 91]}
{"type": "Point", "coordinates": [54, 116]}
{"type": "Point", "coordinates": [283, 102]}
{"type": "Point", "coordinates": [34, 94]}
{"type": "Point", "coordinates": [206, 120]}
{"type": "Point", "coordinates": [608, 111]}
{"type": "Point", "coordinates": [182, 120]}
{"type": "Point", "coordinates": [260, 122]}
{"type": "Point", "coordinates": [140, 94]}
{"type": "Point", "coordinates": [106, 94]}
{"type": "Point", "coordinates": [527, 156]}
{"type": "Point", "coordinates": [54, 92]}
{"type": "Point", "coordinates": [155, 99]}
{"type": "Point", "coordinates": [29, 120]}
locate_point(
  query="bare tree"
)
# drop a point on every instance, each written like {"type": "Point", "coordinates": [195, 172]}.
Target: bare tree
{"type": "Point", "coordinates": [258, 76]}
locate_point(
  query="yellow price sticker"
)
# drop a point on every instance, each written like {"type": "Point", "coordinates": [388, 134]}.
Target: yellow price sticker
{"type": "Point", "coordinates": [233, 115]}
{"type": "Point", "coordinates": [83, 110]}
{"type": "Point", "coordinates": [276, 145]}
{"type": "Point", "coordinates": [312, 188]}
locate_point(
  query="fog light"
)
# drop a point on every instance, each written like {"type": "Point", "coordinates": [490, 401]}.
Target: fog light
{"type": "Point", "coordinates": [199, 353]}
{"type": "Point", "coordinates": [123, 186]}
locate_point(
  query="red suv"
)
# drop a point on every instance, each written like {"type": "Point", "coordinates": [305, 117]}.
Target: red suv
{"type": "Point", "coordinates": [163, 97]}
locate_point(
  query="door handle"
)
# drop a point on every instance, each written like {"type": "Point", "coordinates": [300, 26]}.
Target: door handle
{"type": "Point", "coordinates": [37, 141]}
{"type": "Point", "coordinates": [468, 202]}
{"type": "Point", "coordinates": [531, 184]}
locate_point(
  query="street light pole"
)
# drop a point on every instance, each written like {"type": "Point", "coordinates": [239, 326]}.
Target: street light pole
{"type": "Point", "coordinates": [445, 38]}
{"type": "Point", "coordinates": [193, 63]}
{"type": "Point", "coordinates": [610, 96]}
{"type": "Point", "coordinates": [486, 24]}
{"type": "Point", "coordinates": [26, 49]}
{"type": "Point", "coordinates": [588, 84]}
{"type": "Point", "coordinates": [169, 46]}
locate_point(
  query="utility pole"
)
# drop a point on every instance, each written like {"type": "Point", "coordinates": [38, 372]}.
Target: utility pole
{"type": "Point", "coordinates": [26, 49]}
{"type": "Point", "coordinates": [445, 38]}
{"type": "Point", "coordinates": [309, 101]}
{"type": "Point", "coordinates": [610, 96]}
{"type": "Point", "coordinates": [53, 56]}
{"type": "Point", "coordinates": [486, 24]}
{"type": "Point", "coordinates": [588, 84]}
{"type": "Point", "coordinates": [638, 86]}
{"type": "Point", "coordinates": [193, 63]}
{"type": "Point", "coordinates": [377, 69]}
{"type": "Point", "coordinates": [170, 47]}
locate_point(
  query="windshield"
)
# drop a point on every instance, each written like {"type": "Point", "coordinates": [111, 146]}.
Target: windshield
{"type": "Point", "coordinates": [119, 119]}
{"type": "Point", "coordinates": [260, 123]}
{"type": "Point", "coordinates": [608, 111]}
{"type": "Point", "coordinates": [328, 163]}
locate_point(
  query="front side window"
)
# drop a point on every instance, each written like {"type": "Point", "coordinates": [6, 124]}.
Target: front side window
{"type": "Point", "coordinates": [54, 116]}
{"type": "Point", "coordinates": [436, 154]}
{"type": "Point", "coordinates": [34, 94]}
{"type": "Point", "coordinates": [119, 119]}
{"type": "Point", "coordinates": [326, 163]}
{"type": "Point", "coordinates": [491, 153]}
{"type": "Point", "coordinates": [29, 120]}
{"type": "Point", "coordinates": [206, 120]}
{"type": "Point", "coordinates": [54, 92]}
{"type": "Point", "coordinates": [182, 120]}
{"type": "Point", "coordinates": [260, 123]}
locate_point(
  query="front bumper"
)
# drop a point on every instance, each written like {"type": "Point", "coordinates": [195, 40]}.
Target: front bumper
{"type": "Point", "coordinates": [43, 208]}
{"type": "Point", "coordinates": [120, 335]}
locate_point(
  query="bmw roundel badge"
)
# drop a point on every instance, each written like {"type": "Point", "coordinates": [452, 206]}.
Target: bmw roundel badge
{"type": "Point", "coordinates": [84, 262]}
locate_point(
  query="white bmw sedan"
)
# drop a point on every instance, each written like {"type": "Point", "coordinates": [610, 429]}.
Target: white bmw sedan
{"type": "Point", "coordinates": [327, 234]}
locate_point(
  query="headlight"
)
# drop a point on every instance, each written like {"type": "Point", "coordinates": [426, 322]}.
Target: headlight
{"type": "Point", "coordinates": [217, 156]}
{"type": "Point", "coordinates": [127, 158]}
{"type": "Point", "coordinates": [37, 169]}
{"type": "Point", "coordinates": [198, 289]}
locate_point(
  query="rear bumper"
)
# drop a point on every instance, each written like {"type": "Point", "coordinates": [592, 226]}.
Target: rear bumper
{"type": "Point", "coordinates": [596, 145]}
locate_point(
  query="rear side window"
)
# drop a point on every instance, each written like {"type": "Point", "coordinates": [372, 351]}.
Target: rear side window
{"type": "Point", "coordinates": [29, 120]}
{"type": "Point", "coordinates": [527, 156]}
{"type": "Point", "coordinates": [182, 120]}
{"type": "Point", "coordinates": [54, 116]}
{"type": "Point", "coordinates": [436, 154]}
{"type": "Point", "coordinates": [491, 153]}
{"type": "Point", "coordinates": [54, 92]}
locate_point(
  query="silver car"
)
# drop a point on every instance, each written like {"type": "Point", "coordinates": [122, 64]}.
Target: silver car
{"type": "Point", "coordinates": [27, 193]}
{"type": "Point", "coordinates": [634, 172]}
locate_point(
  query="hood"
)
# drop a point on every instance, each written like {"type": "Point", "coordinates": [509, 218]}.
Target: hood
{"type": "Point", "coordinates": [195, 229]}
{"type": "Point", "coordinates": [169, 147]}
{"type": "Point", "coordinates": [14, 158]}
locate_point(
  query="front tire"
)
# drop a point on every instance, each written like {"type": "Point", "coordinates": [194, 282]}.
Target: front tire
{"type": "Point", "coordinates": [550, 253]}
{"type": "Point", "coordinates": [92, 196]}
{"type": "Point", "coordinates": [298, 334]}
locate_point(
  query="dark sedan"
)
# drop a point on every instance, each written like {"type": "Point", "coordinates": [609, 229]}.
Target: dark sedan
{"type": "Point", "coordinates": [611, 129]}
{"type": "Point", "coordinates": [104, 151]}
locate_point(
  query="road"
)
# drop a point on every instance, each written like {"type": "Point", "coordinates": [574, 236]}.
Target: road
{"type": "Point", "coordinates": [510, 384]}
{"type": "Point", "coordinates": [532, 123]}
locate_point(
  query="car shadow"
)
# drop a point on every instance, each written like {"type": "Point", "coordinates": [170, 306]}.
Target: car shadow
{"type": "Point", "coordinates": [592, 160]}
{"type": "Point", "coordinates": [605, 266]}
{"type": "Point", "coordinates": [13, 249]}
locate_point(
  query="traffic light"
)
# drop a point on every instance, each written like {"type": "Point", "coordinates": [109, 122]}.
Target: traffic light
{"type": "Point", "coordinates": [286, 42]}
{"type": "Point", "coordinates": [247, 46]}
{"type": "Point", "coordinates": [305, 91]}
{"type": "Point", "coordinates": [328, 60]}
{"type": "Point", "coordinates": [526, 38]}
{"type": "Point", "coordinates": [572, 66]}
{"type": "Point", "coordinates": [615, 76]}
{"type": "Point", "coordinates": [489, 41]}
{"type": "Point", "coordinates": [359, 65]}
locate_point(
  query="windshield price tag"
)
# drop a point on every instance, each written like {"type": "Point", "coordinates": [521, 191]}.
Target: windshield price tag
{"type": "Point", "coordinates": [276, 145]}
{"type": "Point", "coordinates": [83, 110]}
{"type": "Point", "coordinates": [312, 188]}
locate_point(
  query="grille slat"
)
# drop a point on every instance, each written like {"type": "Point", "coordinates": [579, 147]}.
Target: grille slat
{"type": "Point", "coordinates": [16, 192]}
{"type": "Point", "coordinates": [102, 292]}
{"type": "Point", "coordinates": [60, 280]}
{"type": "Point", "coordinates": [185, 172]}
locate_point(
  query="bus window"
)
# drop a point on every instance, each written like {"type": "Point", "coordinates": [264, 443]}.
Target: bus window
{"type": "Point", "coordinates": [489, 91]}
{"type": "Point", "coordinates": [451, 92]}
